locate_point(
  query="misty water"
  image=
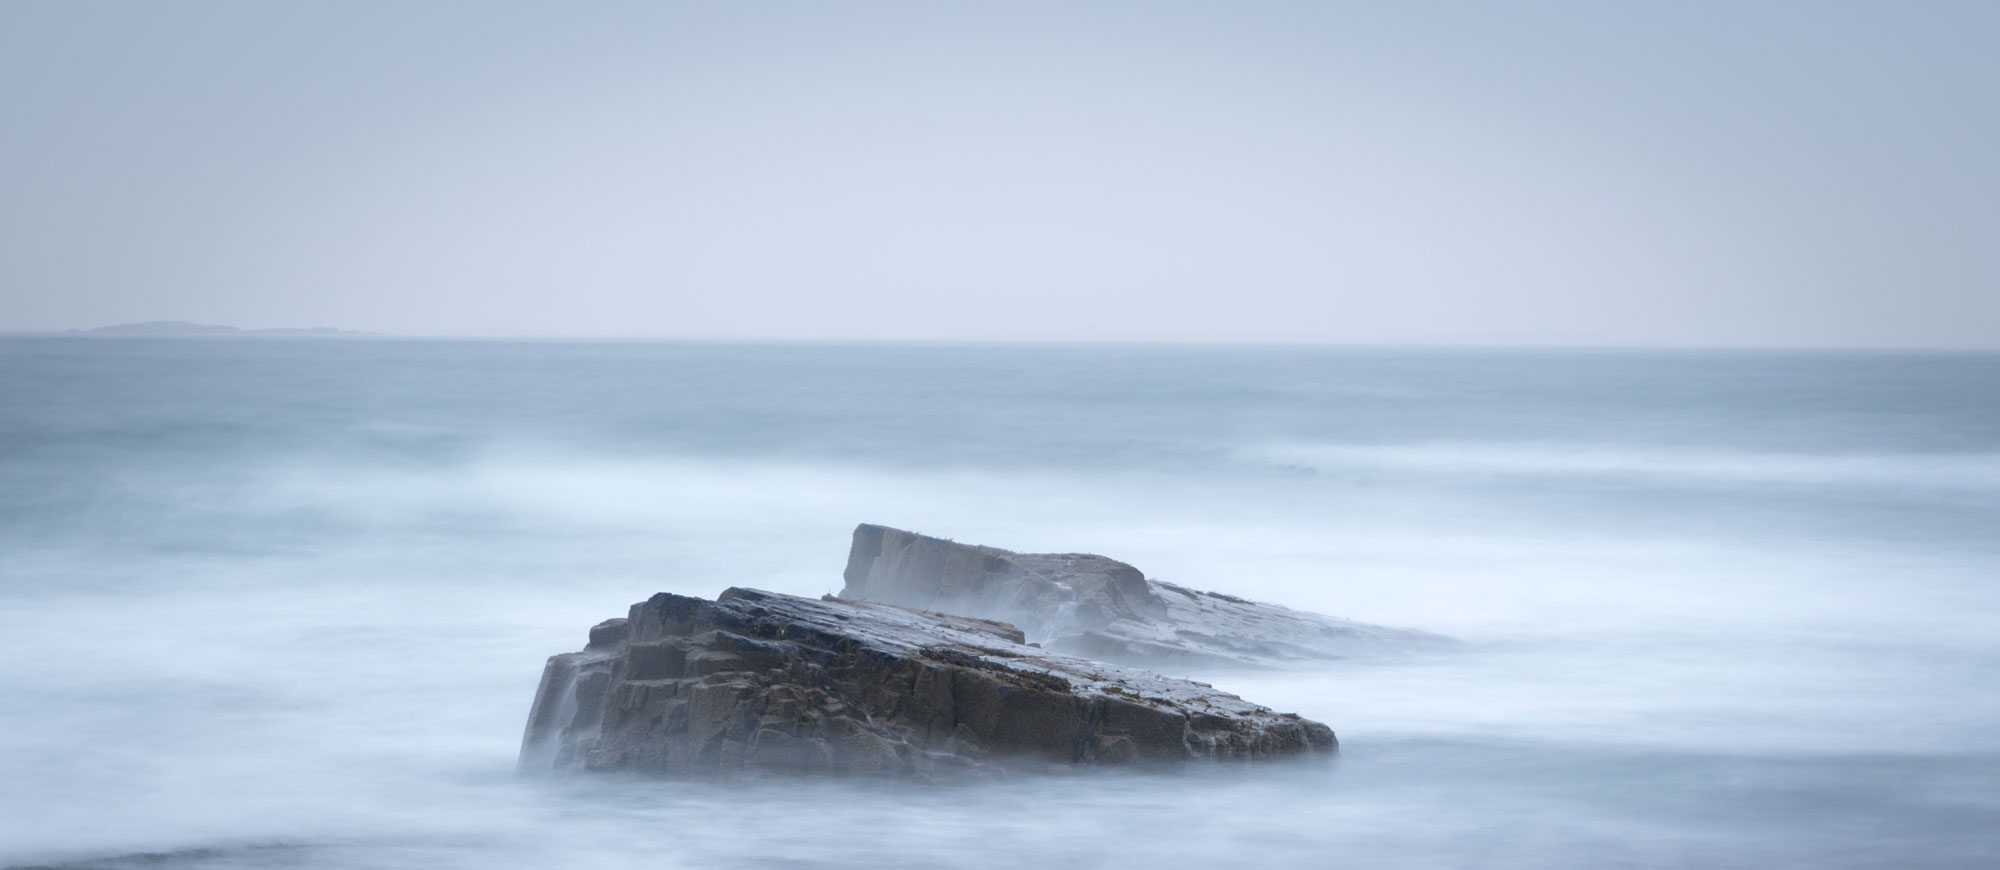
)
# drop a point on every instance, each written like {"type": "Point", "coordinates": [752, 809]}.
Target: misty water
{"type": "Point", "coordinates": [284, 603]}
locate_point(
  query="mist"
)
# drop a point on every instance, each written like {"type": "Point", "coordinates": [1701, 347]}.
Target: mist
{"type": "Point", "coordinates": [1629, 376]}
{"type": "Point", "coordinates": [284, 603]}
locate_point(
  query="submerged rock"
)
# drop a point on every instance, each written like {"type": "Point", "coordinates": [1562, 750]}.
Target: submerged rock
{"type": "Point", "coordinates": [758, 681]}
{"type": "Point", "coordinates": [1102, 608]}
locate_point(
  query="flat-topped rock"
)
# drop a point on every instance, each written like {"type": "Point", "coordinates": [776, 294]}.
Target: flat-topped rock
{"type": "Point", "coordinates": [758, 681]}
{"type": "Point", "coordinates": [1102, 608]}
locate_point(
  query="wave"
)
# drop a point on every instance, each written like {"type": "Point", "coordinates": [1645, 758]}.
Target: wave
{"type": "Point", "coordinates": [1950, 471]}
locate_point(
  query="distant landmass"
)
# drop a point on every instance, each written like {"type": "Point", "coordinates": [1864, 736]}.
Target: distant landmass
{"type": "Point", "coordinates": [182, 327]}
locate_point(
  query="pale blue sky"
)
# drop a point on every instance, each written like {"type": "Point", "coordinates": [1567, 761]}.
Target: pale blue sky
{"type": "Point", "coordinates": [1785, 174]}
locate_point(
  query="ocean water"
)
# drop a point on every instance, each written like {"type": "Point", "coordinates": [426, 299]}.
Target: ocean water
{"type": "Point", "coordinates": [284, 603]}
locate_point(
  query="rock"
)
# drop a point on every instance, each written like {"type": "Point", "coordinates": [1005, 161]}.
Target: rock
{"type": "Point", "coordinates": [758, 681]}
{"type": "Point", "coordinates": [1102, 608]}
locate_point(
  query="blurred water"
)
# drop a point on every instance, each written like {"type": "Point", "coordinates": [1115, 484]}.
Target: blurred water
{"type": "Point", "coordinates": [283, 603]}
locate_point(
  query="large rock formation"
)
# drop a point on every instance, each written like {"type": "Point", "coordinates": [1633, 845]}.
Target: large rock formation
{"type": "Point", "coordinates": [1102, 608]}
{"type": "Point", "coordinates": [757, 681]}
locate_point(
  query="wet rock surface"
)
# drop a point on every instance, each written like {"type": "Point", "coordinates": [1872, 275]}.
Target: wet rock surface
{"type": "Point", "coordinates": [758, 681]}
{"type": "Point", "coordinates": [1102, 608]}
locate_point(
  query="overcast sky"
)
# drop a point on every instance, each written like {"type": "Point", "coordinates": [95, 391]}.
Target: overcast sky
{"type": "Point", "coordinates": [1776, 174]}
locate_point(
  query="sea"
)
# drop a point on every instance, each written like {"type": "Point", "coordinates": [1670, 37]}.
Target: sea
{"type": "Point", "coordinates": [283, 602]}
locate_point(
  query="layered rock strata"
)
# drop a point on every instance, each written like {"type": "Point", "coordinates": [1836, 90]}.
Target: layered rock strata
{"type": "Point", "coordinates": [1102, 608]}
{"type": "Point", "coordinates": [758, 681]}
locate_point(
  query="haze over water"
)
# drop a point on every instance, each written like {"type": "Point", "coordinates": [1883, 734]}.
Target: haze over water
{"type": "Point", "coordinates": [283, 603]}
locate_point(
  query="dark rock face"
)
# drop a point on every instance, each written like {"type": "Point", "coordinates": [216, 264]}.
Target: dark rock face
{"type": "Point", "coordinates": [1102, 608]}
{"type": "Point", "coordinates": [757, 681]}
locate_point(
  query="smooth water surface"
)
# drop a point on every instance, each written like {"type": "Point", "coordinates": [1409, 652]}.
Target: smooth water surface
{"type": "Point", "coordinates": [283, 603]}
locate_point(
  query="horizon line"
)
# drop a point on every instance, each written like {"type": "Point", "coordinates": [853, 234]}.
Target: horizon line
{"type": "Point", "coordinates": [344, 334]}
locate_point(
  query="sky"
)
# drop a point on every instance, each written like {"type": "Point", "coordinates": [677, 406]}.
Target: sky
{"type": "Point", "coordinates": [1766, 174]}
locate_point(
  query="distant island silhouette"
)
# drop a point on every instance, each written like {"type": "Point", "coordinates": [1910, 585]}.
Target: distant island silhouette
{"type": "Point", "coordinates": [182, 327]}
